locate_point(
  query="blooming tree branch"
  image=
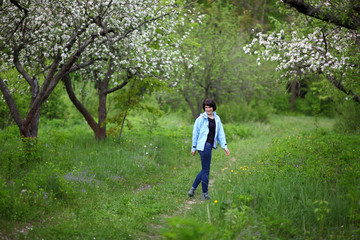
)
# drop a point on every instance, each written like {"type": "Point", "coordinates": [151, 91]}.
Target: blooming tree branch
{"type": "Point", "coordinates": [322, 51]}
{"type": "Point", "coordinates": [45, 40]}
{"type": "Point", "coordinates": [347, 11]}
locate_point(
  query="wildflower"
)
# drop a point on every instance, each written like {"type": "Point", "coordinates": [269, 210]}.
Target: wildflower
{"type": "Point", "coordinates": [144, 146]}
{"type": "Point", "coordinates": [232, 170]}
{"type": "Point", "coordinates": [216, 201]}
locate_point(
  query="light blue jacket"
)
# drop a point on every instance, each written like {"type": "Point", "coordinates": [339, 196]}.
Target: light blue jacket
{"type": "Point", "coordinates": [201, 130]}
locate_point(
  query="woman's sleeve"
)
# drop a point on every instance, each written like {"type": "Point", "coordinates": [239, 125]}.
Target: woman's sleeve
{"type": "Point", "coordinates": [195, 135]}
{"type": "Point", "coordinates": [221, 136]}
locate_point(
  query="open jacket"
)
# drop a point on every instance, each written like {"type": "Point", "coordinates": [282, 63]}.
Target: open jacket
{"type": "Point", "coordinates": [201, 130]}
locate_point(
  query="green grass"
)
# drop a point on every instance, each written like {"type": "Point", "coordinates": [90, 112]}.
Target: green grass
{"type": "Point", "coordinates": [75, 187]}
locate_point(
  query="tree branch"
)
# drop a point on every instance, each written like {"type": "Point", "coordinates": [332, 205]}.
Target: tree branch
{"type": "Point", "coordinates": [92, 123]}
{"type": "Point", "coordinates": [109, 74]}
{"type": "Point", "coordinates": [82, 65]}
{"type": "Point", "coordinates": [44, 93]}
{"type": "Point", "coordinates": [353, 22]}
{"type": "Point", "coordinates": [123, 84]}
{"type": "Point", "coordinates": [19, 67]}
{"type": "Point", "coordinates": [11, 104]}
{"type": "Point", "coordinates": [339, 86]}
{"type": "Point", "coordinates": [137, 27]}
{"type": "Point", "coordinates": [68, 64]}
{"type": "Point", "coordinates": [14, 2]}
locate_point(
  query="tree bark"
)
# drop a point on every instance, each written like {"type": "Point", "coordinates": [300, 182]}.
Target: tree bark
{"type": "Point", "coordinates": [193, 111]}
{"type": "Point", "coordinates": [293, 94]}
{"type": "Point", "coordinates": [102, 111]}
{"type": "Point", "coordinates": [11, 104]}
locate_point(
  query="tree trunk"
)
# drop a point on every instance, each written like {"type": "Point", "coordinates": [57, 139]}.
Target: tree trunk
{"type": "Point", "coordinates": [28, 127]}
{"type": "Point", "coordinates": [293, 94]}
{"type": "Point", "coordinates": [101, 134]}
{"type": "Point", "coordinates": [193, 111]}
{"type": "Point", "coordinates": [263, 14]}
{"type": "Point", "coordinates": [122, 124]}
{"type": "Point", "coordinates": [90, 120]}
{"type": "Point", "coordinates": [31, 130]}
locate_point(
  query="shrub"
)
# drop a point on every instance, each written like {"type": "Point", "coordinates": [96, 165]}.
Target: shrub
{"type": "Point", "coordinates": [281, 103]}
{"type": "Point", "coordinates": [241, 111]}
{"type": "Point", "coordinates": [237, 131]}
{"type": "Point", "coordinates": [186, 229]}
{"type": "Point", "coordinates": [348, 118]}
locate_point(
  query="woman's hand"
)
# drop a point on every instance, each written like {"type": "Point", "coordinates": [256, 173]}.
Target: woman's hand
{"type": "Point", "coordinates": [193, 153]}
{"type": "Point", "coordinates": [227, 152]}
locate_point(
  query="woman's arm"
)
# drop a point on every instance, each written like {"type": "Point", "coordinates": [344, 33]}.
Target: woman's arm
{"type": "Point", "coordinates": [221, 136]}
{"type": "Point", "coordinates": [196, 130]}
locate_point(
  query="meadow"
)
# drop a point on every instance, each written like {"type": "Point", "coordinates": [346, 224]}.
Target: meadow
{"type": "Point", "coordinates": [293, 177]}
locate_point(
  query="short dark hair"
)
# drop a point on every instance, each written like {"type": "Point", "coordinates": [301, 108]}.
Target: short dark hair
{"type": "Point", "coordinates": [209, 102]}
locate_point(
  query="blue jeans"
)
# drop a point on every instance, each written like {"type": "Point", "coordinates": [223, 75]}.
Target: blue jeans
{"type": "Point", "coordinates": [203, 175]}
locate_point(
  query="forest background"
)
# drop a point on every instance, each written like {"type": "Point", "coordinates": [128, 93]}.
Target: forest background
{"type": "Point", "coordinates": [98, 98]}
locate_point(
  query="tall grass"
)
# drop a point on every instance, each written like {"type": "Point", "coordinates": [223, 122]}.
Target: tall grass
{"type": "Point", "coordinates": [290, 178]}
{"type": "Point", "coordinates": [294, 179]}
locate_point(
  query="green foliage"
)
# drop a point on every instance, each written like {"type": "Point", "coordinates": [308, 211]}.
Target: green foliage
{"type": "Point", "coordinates": [19, 96]}
{"type": "Point", "coordinates": [348, 115]}
{"type": "Point", "coordinates": [54, 107]}
{"type": "Point", "coordinates": [33, 192]}
{"type": "Point", "coordinates": [301, 186]}
{"type": "Point", "coordinates": [132, 100]}
{"type": "Point", "coordinates": [332, 153]}
{"type": "Point", "coordinates": [281, 103]}
{"type": "Point", "coordinates": [222, 70]}
{"type": "Point", "coordinates": [122, 189]}
{"type": "Point", "coordinates": [186, 229]}
{"type": "Point", "coordinates": [328, 159]}
{"type": "Point", "coordinates": [235, 132]}
{"type": "Point", "coordinates": [241, 111]}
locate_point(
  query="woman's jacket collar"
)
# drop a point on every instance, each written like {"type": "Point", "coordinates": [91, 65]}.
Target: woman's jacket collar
{"type": "Point", "coordinates": [204, 114]}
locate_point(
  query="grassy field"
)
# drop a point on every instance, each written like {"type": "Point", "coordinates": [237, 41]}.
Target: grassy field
{"type": "Point", "coordinates": [291, 178]}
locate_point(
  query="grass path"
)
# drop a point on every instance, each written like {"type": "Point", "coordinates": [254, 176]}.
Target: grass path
{"type": "Point", "coordinates": [242, 152]}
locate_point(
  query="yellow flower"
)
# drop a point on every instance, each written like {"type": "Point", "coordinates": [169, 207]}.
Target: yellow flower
{"type": "Point", "coordinates": [232, 170]}
{"type": "Point", "coordinates": [215, 201]}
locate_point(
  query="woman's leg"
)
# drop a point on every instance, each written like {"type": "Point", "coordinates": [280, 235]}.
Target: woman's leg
{"type": "Point", "coordinates": [203, 175]}
{"type": "Point", "coordinates": [197, 180]}
{"type": "Point", "coordinates": [205, 165]}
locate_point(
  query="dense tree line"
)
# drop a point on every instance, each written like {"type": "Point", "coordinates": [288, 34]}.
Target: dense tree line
{"type": "Point", "coordinates": [47, 41]}
{"type": "Point", "coordinates": [186, 51]}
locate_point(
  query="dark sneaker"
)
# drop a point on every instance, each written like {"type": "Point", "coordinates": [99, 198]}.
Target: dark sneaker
{"type": "Point", "coordinates": [191, 192]}
{"type": "Point", "coordinates": [205, 197]}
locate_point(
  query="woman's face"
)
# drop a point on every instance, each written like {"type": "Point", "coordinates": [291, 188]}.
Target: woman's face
{"type": "Point", "coordinates": [209, 110]}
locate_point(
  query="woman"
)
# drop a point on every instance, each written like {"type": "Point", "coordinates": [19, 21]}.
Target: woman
{"type": "Point", "coordinates": [207, 131]}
